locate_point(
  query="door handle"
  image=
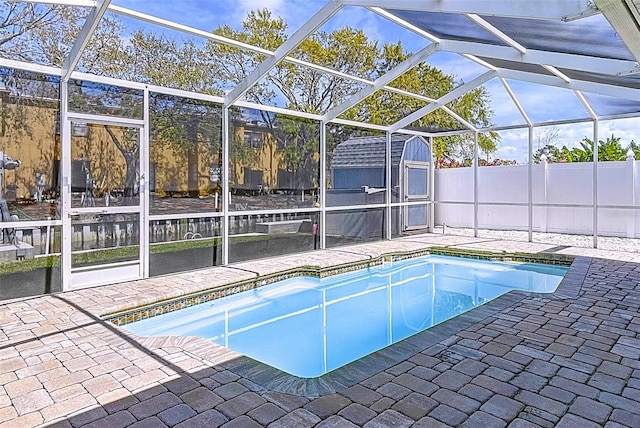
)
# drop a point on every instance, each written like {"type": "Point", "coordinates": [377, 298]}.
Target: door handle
{"type": "Point", "coordinates": [78, 213]}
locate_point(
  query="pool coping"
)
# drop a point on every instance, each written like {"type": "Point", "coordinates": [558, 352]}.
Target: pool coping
{"type": "Point", "coordinates": [346, 376]}
{"type": "Point", "coordinates": [152, 309]}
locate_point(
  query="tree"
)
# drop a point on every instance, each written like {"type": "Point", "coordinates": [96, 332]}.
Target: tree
{"type": "Point", "coordinates": [548, 137]}
{"type": "Point", "coordinates": [349, 51]}
{"type": "Point", "coordinates": [635, 148]}
{"type": "Point", "coordinates": [611, 149]}
{"type": "Point", "coordinates": [19, 23]}
{"type": "Point", "coordinates": [387, 107]}
{"type": "Point", "coordinates": [45, 34]}
{"type": "Point", "coordinates": [215, 68]}
{"type": "Point", "coordinates": [552, 153]}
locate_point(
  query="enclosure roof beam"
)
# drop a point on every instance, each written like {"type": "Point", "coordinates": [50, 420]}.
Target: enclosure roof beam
{"type": "Point", "coordinates": [316, 21]}
{"type": "Point", "coordinates": [90, 24]}
{"type": "Point", "coordinates": [244, 46]}
{"type": "Point", "coordinates": [556, 122]}
{"type": "Point", "coordinates": [540, 9]}
{"type": "Point", "coordinates": [399, 21]}
{"type": "Point", "coordinates": [409, 94]}
{"type": "Point", "coordinates": [516, 101]}
{"type": "Point", "coordinates": [586, 105]}
{"type": "Point", "coordinates": [624, 17]}
{"type": "Point", "coordinates": [556, 72]}
{"type": "Point", "coordinates": [278, 110]}
{"type": "Point", "coordinates": [81, 3]}
{"type": "Point", "coordinates": [360, 124]}
{"type": "Point", "coordinates": [186, 29]}
{"type": "Point", "coordinates": [456, 93]}
{"type": "Point", "coordinates": [460, 119]}
{"type": "Point", "coordinates": [556, 59]}
{"type": "Point", "coordinates": [580, 85]}
{"type": "Point", "coordinates": [226, 41]}
{"type": "Point", "coordinates": [496, 32]}
{"type": "Point", "coordinates": [390, 76]}
{"type": "Point", "coordinates": [532, 56]}
{"type": "Point", "coordinates": [480, 62]}
{"type": "Point", "coordinates": [29, 66]}
{"type": "Point", "coordinates": [578, 62]}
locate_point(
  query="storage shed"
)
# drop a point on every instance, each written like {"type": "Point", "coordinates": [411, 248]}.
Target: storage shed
{"type": "Point", "coordinates": [358, 176]}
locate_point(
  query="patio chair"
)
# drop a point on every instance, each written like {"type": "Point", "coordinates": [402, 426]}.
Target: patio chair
{"type": "Point", "coordinates": [7, 217]}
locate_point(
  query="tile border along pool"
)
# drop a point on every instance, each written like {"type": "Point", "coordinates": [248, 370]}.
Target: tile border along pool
{"type": "Point", "coordinates": [151, 310]}
{"type": "Point", "coordinates": [355, 372]}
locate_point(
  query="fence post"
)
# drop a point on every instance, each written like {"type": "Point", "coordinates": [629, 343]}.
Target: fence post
{"type": "Point", "coordinates": [475, 186]}
{"type": "Point", "coordinates": [530, 186]}
{"type": "Point", "coordinates": [631, 219]}
{"type": "Point", "coordinates": [545, 182]}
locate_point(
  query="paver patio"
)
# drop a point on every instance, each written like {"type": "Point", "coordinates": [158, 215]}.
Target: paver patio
{"type": "Point", "coordinates": [571, 359]}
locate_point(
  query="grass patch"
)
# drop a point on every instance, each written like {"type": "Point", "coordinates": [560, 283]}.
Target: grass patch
{"type": "Point", "coordinates": [110, 255]}
{"type": "Point", "coordinates": [105, 255]}
{"type": "Point", "coordinates": [168, 247]}
{"type": "Point", "coordinates": [29, 265]}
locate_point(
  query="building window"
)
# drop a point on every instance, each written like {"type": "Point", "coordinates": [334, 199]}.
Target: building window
{"type": "Point", "coordinates": [253, 139]}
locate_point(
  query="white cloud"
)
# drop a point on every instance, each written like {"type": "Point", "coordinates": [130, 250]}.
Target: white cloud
{"type": "Point", "coordinates": [627, 129]}
{"type": "Point", "coordinates": [359, 18]}
{"type": "Point", "coordinates": [243, 7]}
{"type": "Point", "coordinates": [294, 12]}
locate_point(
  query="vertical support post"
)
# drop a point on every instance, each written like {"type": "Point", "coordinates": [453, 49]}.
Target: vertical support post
{"type": "Point", "coordinates": [545, 218]}
{"type": "Point", "coordinates": [633, 177]}
{"type": "Point", "coordinates": [65, 185]}
{"type": "Point", "coordinates": [226, 192]}
{"type": "Point", "coordinates": [631, 220]}
{"type": "Point", "coordinates": [323, 186]}
{"type": "Point", "coordinates": [388, 210]}
{"type": "Point", "coordinates": [145, 227]}
{"type": "Point", "coordinates": [530, 186]}
{"type": "Point", "coordinates": [475, 185]}
{"type": "Point", "coordinates": [432, 188]}
{"type": "Point", "coordinates": [595, 183]}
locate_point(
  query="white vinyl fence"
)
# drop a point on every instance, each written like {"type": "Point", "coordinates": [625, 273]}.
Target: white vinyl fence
{"type": "Point", "coordinates": [562, 196]}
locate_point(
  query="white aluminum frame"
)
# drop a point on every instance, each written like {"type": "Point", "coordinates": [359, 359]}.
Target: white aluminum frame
{"type": "Point", "coordinates": [474, 10]}
{"type": "Point", "coordinates": [541, 9]}
{"type": "Point", "coordinates": [119, 271]}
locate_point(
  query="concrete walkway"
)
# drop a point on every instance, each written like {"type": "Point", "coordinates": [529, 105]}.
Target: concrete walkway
{"type": "Point", "coordinates": [570, 359]}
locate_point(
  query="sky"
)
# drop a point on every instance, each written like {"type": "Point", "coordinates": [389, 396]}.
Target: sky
{"type": "Point", "coordinates": [541, 103]}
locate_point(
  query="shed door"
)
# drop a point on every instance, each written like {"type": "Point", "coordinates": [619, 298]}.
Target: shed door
{"type": "Point", "coordinates": [416, 186]}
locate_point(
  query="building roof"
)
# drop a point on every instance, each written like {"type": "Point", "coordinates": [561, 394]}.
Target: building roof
{"type": "Point", "coordinates": [368, 152]}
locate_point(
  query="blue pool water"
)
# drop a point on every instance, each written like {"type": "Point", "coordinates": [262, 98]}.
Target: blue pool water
{"type": "Point", "coordinates": [308, 326]}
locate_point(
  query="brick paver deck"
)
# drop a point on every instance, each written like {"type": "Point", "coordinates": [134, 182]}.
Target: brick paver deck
{"type": "Point", "coordinates": [571, 359]}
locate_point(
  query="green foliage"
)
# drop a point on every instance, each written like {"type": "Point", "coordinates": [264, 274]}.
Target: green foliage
{"type": "Point", "coordinates": [349, 51]}
{"type": "Point", "coordinates": [29, 265]}
{"type": "Point", "coordinates": [214, 68]}
{"type": "Point", "coordinates": [446, 162]}
{"type": "Point", "coordinates": [610, 149]}
{"type": "Point", "coordinates": [387, 107]}
{"type": "Point", "coordinates": [44, 34]}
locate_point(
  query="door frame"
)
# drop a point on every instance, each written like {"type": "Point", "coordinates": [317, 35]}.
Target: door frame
{"type": "Point", "coordinates": [114, 272]}
{"type": "Point", "coordinates": [426, 166]}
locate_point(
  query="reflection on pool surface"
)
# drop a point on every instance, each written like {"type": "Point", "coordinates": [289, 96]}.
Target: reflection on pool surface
{"type": "Point", "coordinates": [307, 326]}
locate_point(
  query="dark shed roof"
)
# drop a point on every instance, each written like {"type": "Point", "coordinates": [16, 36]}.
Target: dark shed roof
{"type": "Point", "coordinates": [368, 152]}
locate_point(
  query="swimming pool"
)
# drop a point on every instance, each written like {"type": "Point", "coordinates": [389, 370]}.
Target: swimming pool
{"type": "Point", "coordinates": [308, 326]}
